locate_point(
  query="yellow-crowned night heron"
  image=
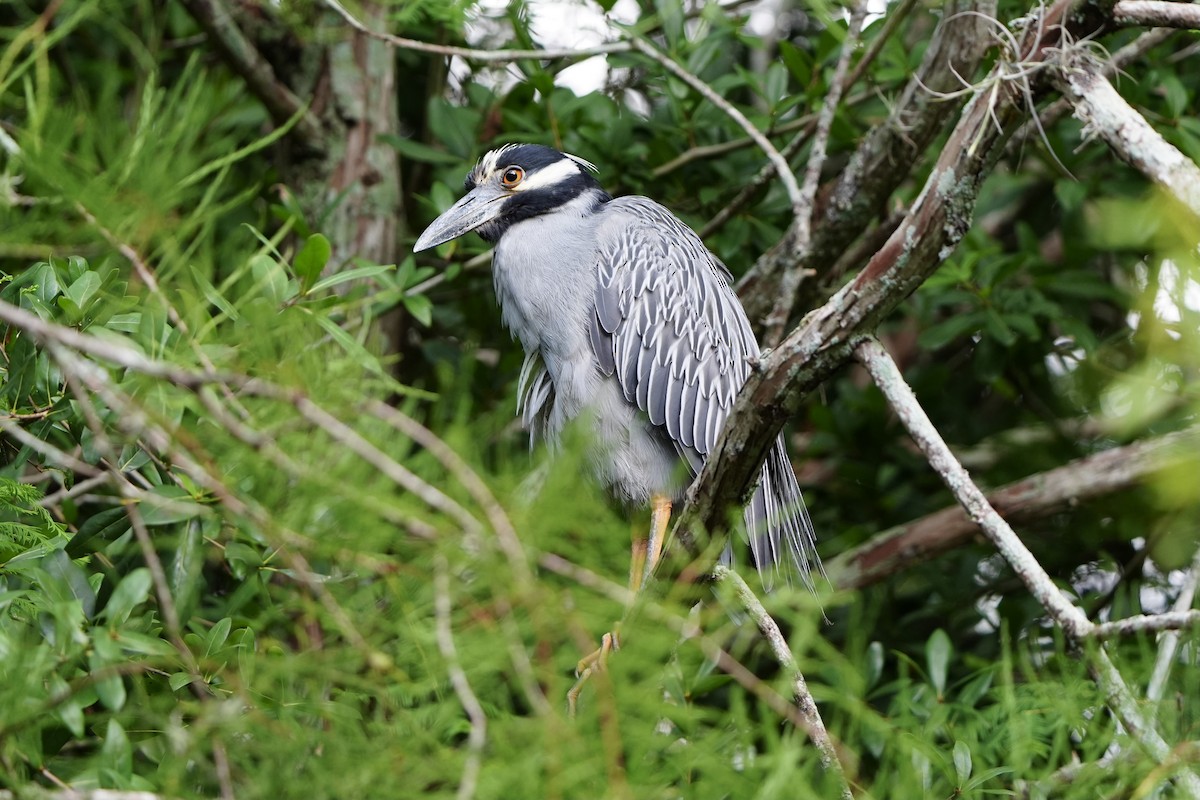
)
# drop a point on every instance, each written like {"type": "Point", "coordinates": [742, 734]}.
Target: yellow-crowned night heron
{"type": "Point", "coordinates": [626, 316]}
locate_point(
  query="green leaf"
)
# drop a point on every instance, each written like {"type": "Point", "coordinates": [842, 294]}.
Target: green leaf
{"type": "Point", "coordinates": [59, 565]}
{"type": "Point", "coordinates": [107, 525]}
{"type": "Point", "coordinates": [796, 60]}
{"type": "Point", "coordinates": [962, 761]}
{"type": "Point", "coordinates": [363, 357]}
{"type": "Point", "coordinates": [117, 753]}
{"type": "Point", "coordinates": [937, 660]}
{"type": "Point", "coordinates": [83, 289]}
{"type": "Point", "coordinates": [217, 636]}
{"type": "Point", "coordinates": [420, 307]}
{"type": "Point", "coordinates": [179, 680]}
{"type": "Point", "coordinates": [358, 273]}
{"type": "Point", "coordinates": [419, 151]}
{"type": "Point", "coordinates": [311, 260]}
{"type": "Point", "coordinates": [110, 688]}
{"type": "Point", "coordinates": [874, 663]}
{"type": "Point", "coordinates": [269, 277]}
{"type": "Point", "coordinates": [131, 592]}
{"type": "Point", "coordinates": [166, 504]}
{"type": "Point", "coordinates": [950, 329]}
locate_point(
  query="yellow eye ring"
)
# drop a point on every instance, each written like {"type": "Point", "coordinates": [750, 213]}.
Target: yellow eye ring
{"type": "Point", "coordinates": [512, 177]}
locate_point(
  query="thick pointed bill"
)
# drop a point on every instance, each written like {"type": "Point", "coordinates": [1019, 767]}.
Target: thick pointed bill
{"type": "Point", "coordinates": [481, 205]}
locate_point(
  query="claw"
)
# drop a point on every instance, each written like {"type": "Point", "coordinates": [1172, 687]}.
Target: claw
{"type": "Point", "coordinates": [588, 665]}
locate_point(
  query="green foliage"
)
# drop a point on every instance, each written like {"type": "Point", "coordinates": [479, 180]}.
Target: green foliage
{"type": "Point", "coordinates": [239, 576]}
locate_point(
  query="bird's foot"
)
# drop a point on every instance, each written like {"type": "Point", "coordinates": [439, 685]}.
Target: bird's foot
{"type": "Point", "coordinates": [590, 664]}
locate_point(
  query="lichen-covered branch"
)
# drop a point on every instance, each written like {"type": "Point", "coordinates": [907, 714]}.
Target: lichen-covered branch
{"type": "Point", "coordinates": [1105, 114]}
{"type": "Point", "coordinates": [914, 542]}
{"type": "Point", "coordinates": [936, 222]}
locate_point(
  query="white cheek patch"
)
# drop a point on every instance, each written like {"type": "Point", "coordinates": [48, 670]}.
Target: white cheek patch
{"type": "Point", "coordinates": [557, 172]}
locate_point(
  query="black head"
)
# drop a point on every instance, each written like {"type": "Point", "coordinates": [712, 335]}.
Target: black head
{"type": "Point", "coordinates": [510, 184]}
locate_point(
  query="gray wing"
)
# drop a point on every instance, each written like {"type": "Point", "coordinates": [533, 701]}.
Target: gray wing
{"type": "Point", "coordinates": [669, 327]}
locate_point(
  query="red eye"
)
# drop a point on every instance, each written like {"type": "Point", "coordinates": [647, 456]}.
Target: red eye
{"type": "Point", "coordinates": [511, 177]}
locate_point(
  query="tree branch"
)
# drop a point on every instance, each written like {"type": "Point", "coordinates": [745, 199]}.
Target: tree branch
{"type": "Point", "coordinates": [477, 738]}
{"type": "Point", "coordinates": [900, 547]}
{"type": "Point", "coordinates": [1106, 114]}
{"type": "Point", "coordinates": [885, 157]}
{"type": "Point", "coordinates": [937, 220]}
{"type": "Point", "coordinates": [1068, 616]}
{"type": "Point", "coordinates": [805, 704]}
{"type": "Point", "coordinates": [1158, 13]}
{"type": "Point", "coordinates": [243, 57]}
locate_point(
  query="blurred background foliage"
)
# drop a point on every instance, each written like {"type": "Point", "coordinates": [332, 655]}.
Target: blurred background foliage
{"type": "Point", "coordinates": [216, 591]}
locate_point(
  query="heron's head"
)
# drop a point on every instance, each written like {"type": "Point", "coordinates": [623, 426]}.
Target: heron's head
{"type": "Point", "coordinates": [513, 183]}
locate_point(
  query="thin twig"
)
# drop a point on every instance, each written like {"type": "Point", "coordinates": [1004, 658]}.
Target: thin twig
{"type": "Point", "coordinates": [1146, 623]}
{"type": "Point", "coordinates": [706, 91]}
{"type": "Point", "coordinates": [477, 737]}
{"type": "Point", "coordinates": [777, 320]}
{"type": "Point", "coordinates": [472, 54]}
{"type": "Point", "coordinates": [814, 726]}
{"type": "Point", "coordinates": [48, 451]}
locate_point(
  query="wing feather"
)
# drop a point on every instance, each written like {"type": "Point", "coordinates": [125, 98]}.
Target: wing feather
{"type": "Point", "coordinates": [672, 331]}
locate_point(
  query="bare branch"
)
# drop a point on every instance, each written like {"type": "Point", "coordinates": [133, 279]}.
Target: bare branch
{"type": "Point", "coordinates": [1146, 623]}
{"type": "Point", "coordinates": [243, 57]}
{"type": "Point", "coordinates": [814, 726]}
{"type": "Point", "coordinates": [1106, 114]}
{"type": "Point", "coordinates": [1159, 13]}
{"type": "Point", "coordinates": [477, 738]}
{"type": "Point", "coordinates": [1073, 621]}
{"type": "Point", "coordinates": [471, 54]}
{"type": "Point", "coordinates": [900, 397]}
{"type": "Point", "coordinates": [900, 547]}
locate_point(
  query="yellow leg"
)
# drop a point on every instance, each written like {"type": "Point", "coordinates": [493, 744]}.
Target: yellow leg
{"type": "Point", "coordinates": [660, 517]}
{"type": "Point", "coordinates": [645, 554]}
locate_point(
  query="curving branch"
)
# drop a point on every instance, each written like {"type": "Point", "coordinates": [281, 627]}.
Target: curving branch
{"type": "Point", "coordinates": [477, 738]}
{"type": "Point", "coordinates": [814, 726]}
{"type": "Point", "coordinates": [802, 224]}
{"type": "Point", "coordinates": [899, 548]}
{"type": "Point", "coordinates": [704, 90]}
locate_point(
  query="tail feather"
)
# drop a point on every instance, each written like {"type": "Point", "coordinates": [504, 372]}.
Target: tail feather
{"type": "Point", "coordinates": [778, 524]}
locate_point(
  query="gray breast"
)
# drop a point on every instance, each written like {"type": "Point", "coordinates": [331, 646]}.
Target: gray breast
{"type": "Point", "coordinates": [545, 271]}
